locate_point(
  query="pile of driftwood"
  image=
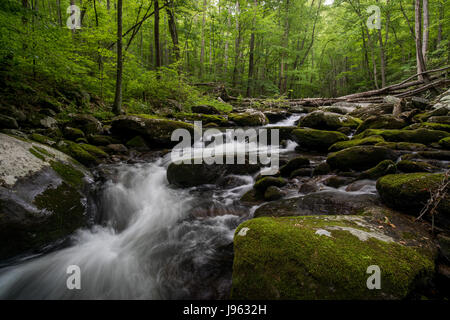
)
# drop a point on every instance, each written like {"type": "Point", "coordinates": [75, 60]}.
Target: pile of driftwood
{"type": "Point", "coordinates": [429, 80]}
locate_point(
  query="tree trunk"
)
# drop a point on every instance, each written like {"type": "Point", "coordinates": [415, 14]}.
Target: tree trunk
{"type": "Point", "coordinates": [251, 55]}
{"type": "Point", "coordinates": [173, 33]}
{"type": "Point", "coordinates": [202, 52]}
{"type": "Point", "coordinates": [157, 43]}
{"type": "Point", "coordinates": [117, 106]}
{"type": "Point", "coordinates": [418, 34]}
{"type": "Point", "coordinates": [237, 46]}
{"type": "Point", "coordinates": [426, 32]}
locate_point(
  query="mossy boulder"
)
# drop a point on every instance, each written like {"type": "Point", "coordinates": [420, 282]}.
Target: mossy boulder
{"type": "Point", "coordinates": [328, 121]}
{"type": "Point", "coordinates": [262, 184]}
{"type": "Point", "coordinates": [205, 109]}
{"type": "Point", "coordinates": [42, 139]}
{"type": "Point", "coordinates": [73, 133]}
{"type": "Point", "coordinates": [383, 168]}
{"type": "Point", "coordinates": [445, 143]}
{"type": "Point", "coordinates": [292, 165]}
{"type": "Point", "coordinates": [403, 146]}
{"type": "Point", "coordinates": [381, 122]}
{"type": "Point", "coordinates": [154, 130]}
{"type": "Point", "coordinates": [137, 143]}
{"type": "Point", "coordinates": [373, 110]}
{"type": "Point", "coordinates": [273, 193]}
{"type": "Point", "coordinates": [302, 172]}
{"type": "Point", "coordinates": [316, 258]}
{"type": "Point", "coordinates": [408, 166]}
{"type": "Point", "coordinates": [41, 196]}
{"type": "Point", "coordinates": [424, 136]}
{"type": "Point", "coordinates": [410, 192]}
{"type": "Point", "coordinates": [101, 140]}
{"type": "Point", "coordinates": [431, 126]}
{"type": "Point", "coordinates": [249, 118]}
{"type": "Point", "coordinates": [86, 123]}
{"type": "Point", "coordinates": [93, 150]}
{"type": "Point", "coordinates": [360, 157]}
{"type": "Point", "coordinates": [321, 169]}
{"type": "Point", "coordinates": [319, 140]}
{"type": "Point", "coordinates": [355, 142]}
{"type": "Point", "coordinates": [440, 119]}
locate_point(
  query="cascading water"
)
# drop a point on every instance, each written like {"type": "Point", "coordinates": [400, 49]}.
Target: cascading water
{"type": "Point", "coordinates": [154, 242]}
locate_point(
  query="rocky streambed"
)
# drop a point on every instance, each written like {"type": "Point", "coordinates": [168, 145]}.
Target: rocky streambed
{"type": "Point", "coordinates": [105, 196]}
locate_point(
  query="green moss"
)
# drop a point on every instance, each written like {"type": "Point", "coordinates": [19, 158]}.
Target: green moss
{"type": "Point", "coordinates": [77, 152]}
{"type": "Point", "coordinates": [252, 196]}
{"type": "Point", "coordinates": [93, 150]}
{"type": "Point", "coordinates": [283, 258]}
{"type": "Point", "coordinates": [445, 142]}
{"type": "Point", "coordinates": [262, 184]}
{"type": "Point", "coordinates": [137, 142]}
{"type": "Point", "coordinates": [319, 140]}
{"type": "Point", "coordinates": [424, 136]}
{"type": "Point", "coordinates": [41, 139]}
{"type": "Point", "coordinates": [248, 119]}
{"type": "Point", "coordinates": [359, 157]}
{"type": "Point", "coordinates": [66, 212]}
{"type": "Point", "coordinates": [409, 192]}
{"type": "Point", "coordinates": [68, 173]}
{"type": "Point", "coordinates": [73, 133]}
{"type": "Point", "coordinates": [383, 168]}
{"type": "Point", "coordinates": [44, 151]}
{"type": "Point", "coordinates": [36, 153]}
{"type": "Point", "coordinates": [408, 166]}
{"type": "Point", "coordinates": [356, 142]}
{"type": "Point", "coordinates": [435, 126]}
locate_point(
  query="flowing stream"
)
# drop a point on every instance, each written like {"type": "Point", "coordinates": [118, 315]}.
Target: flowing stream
{"type": "Point", "coordinates": [152, 241]}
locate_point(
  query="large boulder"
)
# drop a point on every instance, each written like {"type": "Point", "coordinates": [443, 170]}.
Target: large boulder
{"type": "Point", "coordinates": [425, 136]}
{"type": "Point", "coordinates": [249, 118]}
{"type": "Point", "coordinates": [372, 140]}
{"type": "Point", "coordinates": [41, 195]}
{"type": "Point", "coordinates": [86, 123]}
{"type": "Point", "coordinates": [328, 257]}
{"type": "Point", "coordinates": [155, 130]}
{"type": "Point", "coordinates": [319, 140]}
{"type": "Point", "coordinates": [410, 193]}
{"type": "Point", "coordinates": [328, 121]}
{"type": "Point", "coordinates": [360, 157]}
{"type": "Point", "coordinates": [381, 122]}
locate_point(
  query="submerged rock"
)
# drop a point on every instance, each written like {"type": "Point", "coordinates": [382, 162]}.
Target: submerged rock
{"type": "Point", "coordinates": [41, 195]}
{"type": "Point", "coordinates": [327, 257]}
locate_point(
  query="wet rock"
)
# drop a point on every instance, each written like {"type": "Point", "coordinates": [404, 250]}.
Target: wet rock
{"type": "Point", "coordinates": [438, 155]}
{"type": "Point", "coordinates": [116, 148]}
{"type": "Point", "coordinates": [41, 197]}
{"type": "Point", "coordinates": [440, 119]}
{"type": "Point", "coordinates": [205, 109]}
{"type": "Point", "coordinates": [137, 143]}
{"type": "Point", "coordinates": [292, 165]}
{"type": "Point", "coordinates": [383, 168]}
{"type": "Point", "coordinates": [360, 185]}
{"type": "Point", "coordinates": [337, 181]}
{"type": "Point", "coordinates": [273, 193]}
{"type": "Point", "coordinates": [321, 169]}
{"type": "Point", "coordinates": [407, 166]}
{"type": "Point", "coordinates": [191, 174]}
{"type": "Point", "coordinates": [86, 123]}
{"type": "Point", "coordinates": [381, 122]}
{"type": "Point", "coordinates": [360, 157]}
{"type": "Point", "coordinates": [410, 192]}
{"type": "Point", "coordinates": [308, 187]}
{"type": "Point", "coordinates": [101, 140]}
{"type": "Point", "coordinates": [276, 115]}
{"type": "Point", "coordinates": [402, 146]}
{"type": "Point", "coordinates": [262, 184]}
{"type": "Point", "coordinates": [328, 121]}
{"type": "Point", "coordinates": [334, 202]}
{"type": "Point", "coordinates": [72, 133]}
{"type": "Point", "coordinates": [319, 140]}
{"type": "Point", "coordinates": [154, 130]}
{"type": "Point", "coordinates": [8, 122]}
{"type": "Point", "coordinates": [310, 258]}
{"type": "Point", "coordinates": [445, 143]}
{"type": "Point", "coordinates": [48, 122]}
{"type": "Point", "coordinates": [302, 172]}
{"type": "Point", "coordinates": [249, 118]}
{"type": "Point", "coordinates": [78, 153]}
